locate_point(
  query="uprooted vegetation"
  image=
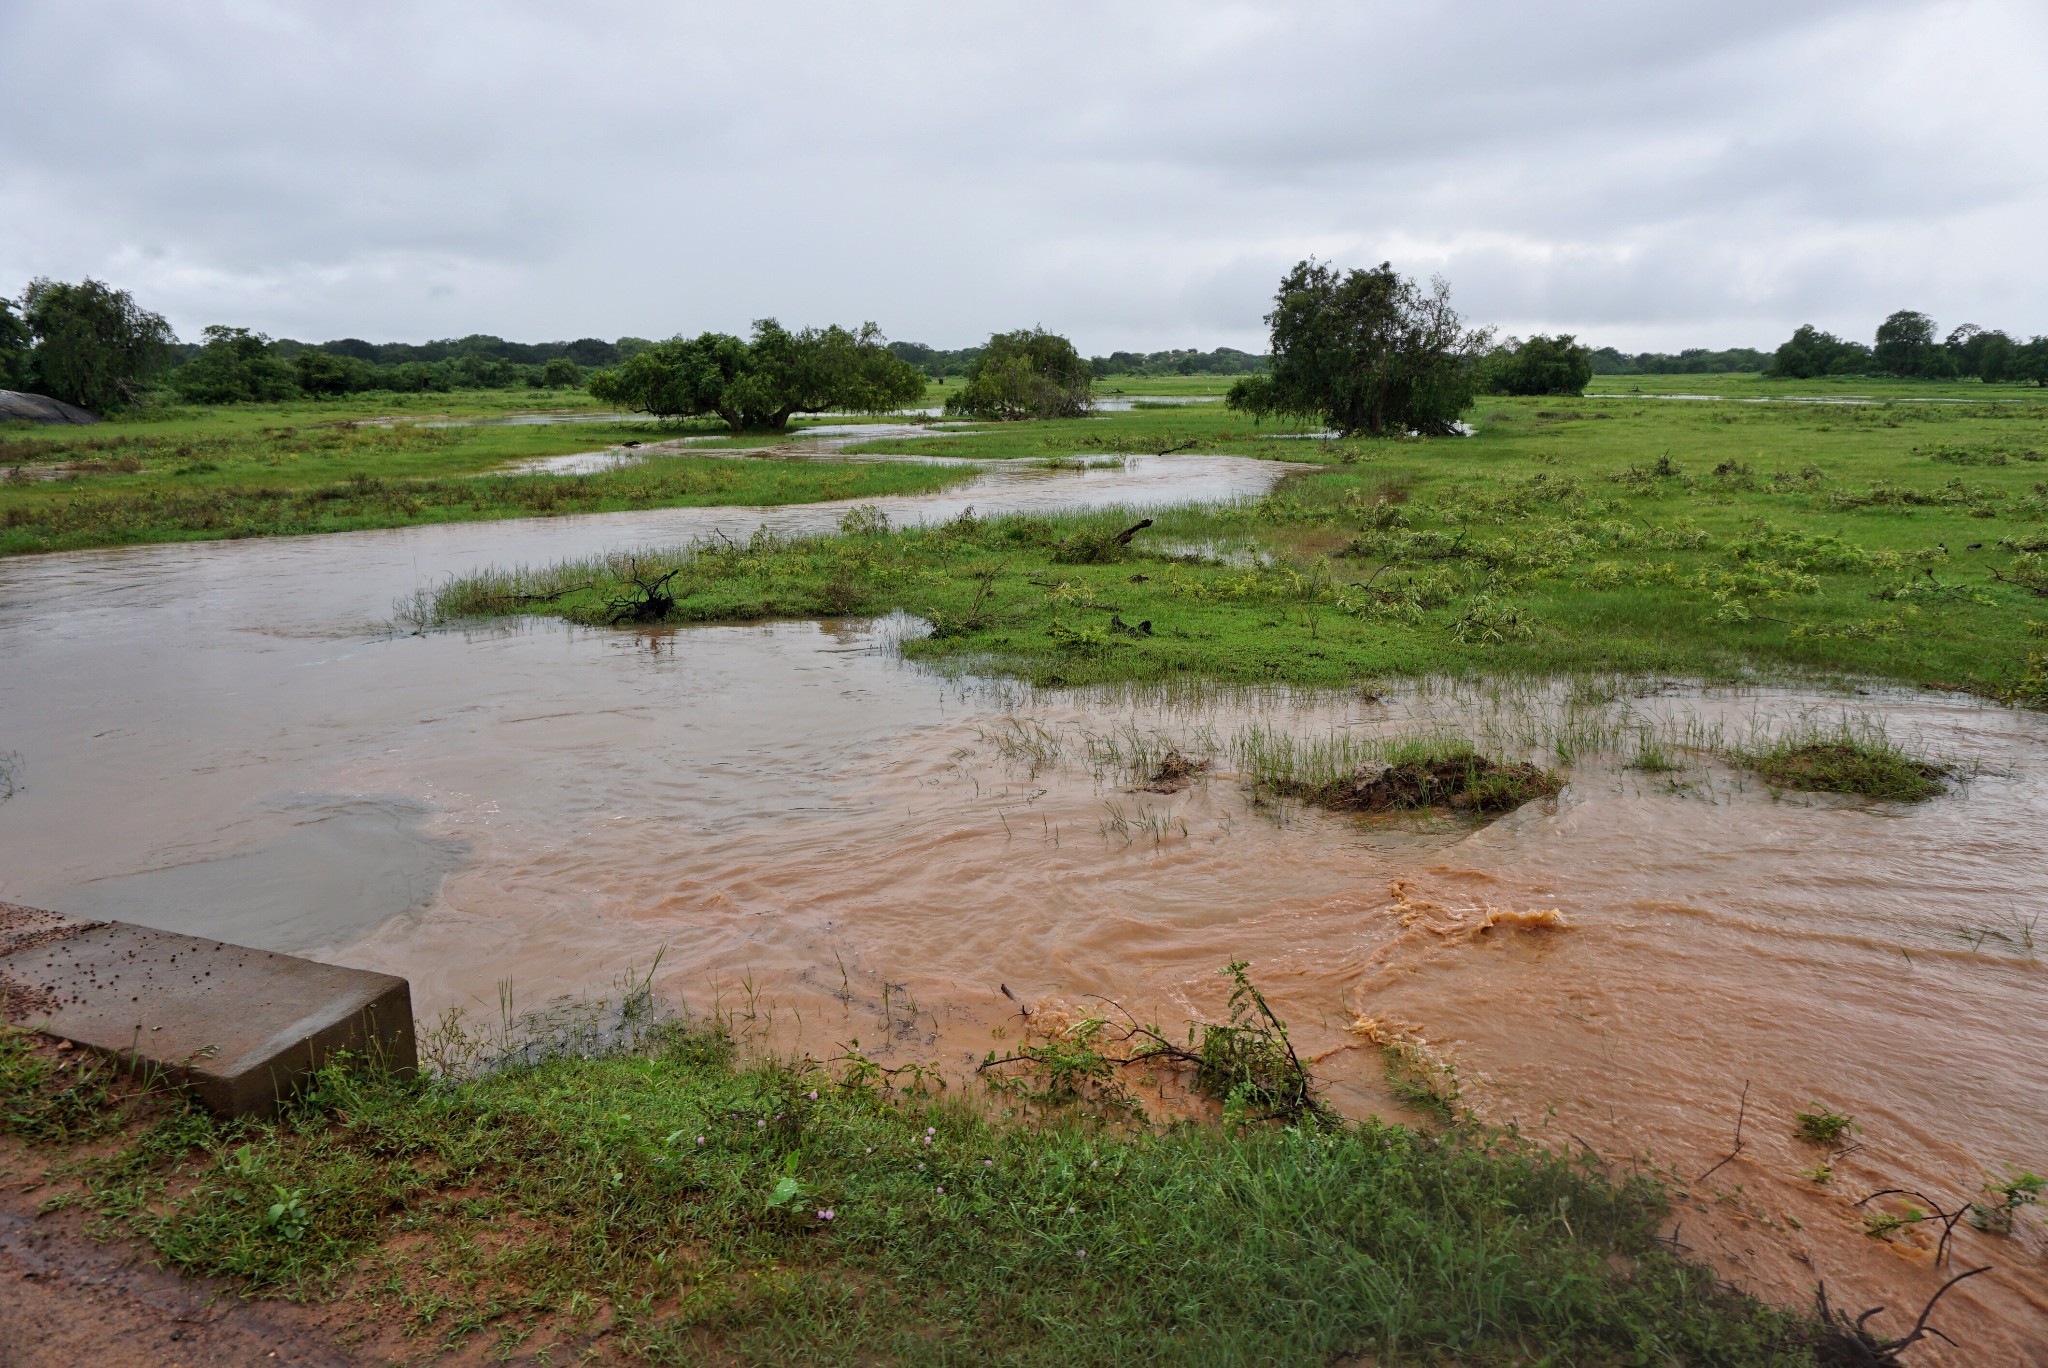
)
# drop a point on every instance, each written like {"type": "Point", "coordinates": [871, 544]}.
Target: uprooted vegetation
{"type": "Point", "coordinates": [1247, 1062]}
{"type": "Point", "coordinates": [695, 1204]}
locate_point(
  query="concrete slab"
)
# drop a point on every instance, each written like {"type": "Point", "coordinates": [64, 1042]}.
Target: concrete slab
{"type": "Point", "coordinates": [241, 1027]}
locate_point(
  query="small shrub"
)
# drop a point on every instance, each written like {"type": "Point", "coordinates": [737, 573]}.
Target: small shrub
{"type": "Point", "coordinates": [2016, 1191]}
{"type": "Point", "coordinates": [1823, 1125]}
{"type": "Point", "coordinates": [1431, 774]}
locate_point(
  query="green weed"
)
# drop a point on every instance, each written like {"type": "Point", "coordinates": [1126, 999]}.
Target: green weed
{"type": "Point", "coordinates": [2016, 1190]}
{"type": "Point", "coordinates": [1822, 1125]}
{"type": "Point", "coordinates": [1846, 759]}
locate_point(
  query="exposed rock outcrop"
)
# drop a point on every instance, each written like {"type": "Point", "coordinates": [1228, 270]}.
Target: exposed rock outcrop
{"type": "Point", "coordinates": [17, 407]}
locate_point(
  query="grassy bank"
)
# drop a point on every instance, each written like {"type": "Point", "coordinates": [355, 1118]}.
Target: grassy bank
{"type": "Point", "coordinates": [375, 461]}
{"type": "Point", "coordinates": [699, 1208]}
{"type": "Point", "coordinates": [275, 470]}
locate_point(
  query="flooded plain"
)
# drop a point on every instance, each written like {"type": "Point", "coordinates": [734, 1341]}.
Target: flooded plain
{"type": "Point", "coordinates": [227, 739]}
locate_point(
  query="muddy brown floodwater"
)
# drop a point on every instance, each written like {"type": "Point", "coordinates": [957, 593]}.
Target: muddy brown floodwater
{"type": "Point", "coordinates": [224, 739]}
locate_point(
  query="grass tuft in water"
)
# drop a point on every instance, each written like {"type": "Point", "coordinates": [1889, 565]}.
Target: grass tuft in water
{"type": "Point", "coordinates": [1382, 774]}
{"type": "Point", "coordinates": [1846, 759]}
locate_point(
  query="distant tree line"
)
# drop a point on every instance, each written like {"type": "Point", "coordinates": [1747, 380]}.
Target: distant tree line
{"type": "Point", "coordinates": [90, 344]}
{"type": "Point", "coordinates": [1691, 361]}
{"type": "Point", "coordinates": [943, 365]}
{"type": "Point", "coordinates": [1908, 345]}
{"type": "Point", "coordinates": [1222, 361]}
{"type": "Point", "coordinates": [936, 362]}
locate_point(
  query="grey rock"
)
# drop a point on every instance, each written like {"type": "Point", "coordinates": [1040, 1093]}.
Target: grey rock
{"type": "Point", "coordinates": [16, 407]}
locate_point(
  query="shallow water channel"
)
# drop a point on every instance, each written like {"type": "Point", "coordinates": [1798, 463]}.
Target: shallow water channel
{"type": "Point", "coordinates": [226, 738]}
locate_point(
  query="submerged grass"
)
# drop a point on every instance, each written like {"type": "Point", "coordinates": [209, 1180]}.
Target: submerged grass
{"type": "Point", "coordinates": [709, 1209]}
{"type": "Point", "coordinates": [1846, 758]}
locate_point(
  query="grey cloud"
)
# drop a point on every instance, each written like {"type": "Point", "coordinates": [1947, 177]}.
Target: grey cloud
{"type": "Point", "coordinates": [1133, 174]}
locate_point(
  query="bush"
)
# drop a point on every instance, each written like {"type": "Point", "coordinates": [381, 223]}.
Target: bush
{"type": "Point", "coordinates": [1541, 365]}
{"type": "Point", "coordinates": [235, 366]}
{"type": "Point", "coordinates": [1367, 352]}
{"type": "Point", "coordinates": [1029, 373]}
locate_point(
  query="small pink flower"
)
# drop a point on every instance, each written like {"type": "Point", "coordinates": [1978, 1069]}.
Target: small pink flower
{"type": "Point", "coordinates": [760, 1125]}
{"type": "Point", "coordinates": [700, 1139]}
{"type": "Point", "coordinates": [931, 1130]}
{"type": "Point", "coordinates": [1080, 1253]}
{"type": "Point", "coordinates": [942, 1192]}
{"type": "Point", "coordinates": [988, 1163]}
{"type": "Point", "coordinates": [814, 1094]}
{"type": "Point", "coordinates": [824, 1213]}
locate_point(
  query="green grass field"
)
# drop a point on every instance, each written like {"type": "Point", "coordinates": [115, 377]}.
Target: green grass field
{"type": "Point", "coordinates": [1900, 542]}
{"type": "Point", "coordinates": [282, 469]}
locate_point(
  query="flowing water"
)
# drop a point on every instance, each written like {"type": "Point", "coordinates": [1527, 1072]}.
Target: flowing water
{"type": "Point", "coordinates": [224, 738]}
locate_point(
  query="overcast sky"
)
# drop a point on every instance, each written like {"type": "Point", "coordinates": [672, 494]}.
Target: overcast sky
{"type": "Point", "coordinates": [1134, 175]}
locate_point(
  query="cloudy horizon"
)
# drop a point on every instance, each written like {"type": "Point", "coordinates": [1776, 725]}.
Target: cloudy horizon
{"type": "Point", "coordinates": [1136, 176]}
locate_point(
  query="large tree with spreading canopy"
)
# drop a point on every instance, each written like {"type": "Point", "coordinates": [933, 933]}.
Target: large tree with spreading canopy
{"type": "Point", "coordinates": [1030, 373]}
{"type": "Point", "coordinates": [760, 384]}
{"type": "Point", "coordinates": [94, 346]}
{"type": "Point", "coordinates": [1367, 352]}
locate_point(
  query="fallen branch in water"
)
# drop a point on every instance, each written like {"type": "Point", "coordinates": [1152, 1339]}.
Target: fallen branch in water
{"type": "Point", "coordinates": [1740, 1113]}
{"type": "Point", "coordinates": [1856, 1347]}
{"type": "Point", "coordinates": [1248, 1062]}
{"type": "Point", "coordinates": [1948, 1219]}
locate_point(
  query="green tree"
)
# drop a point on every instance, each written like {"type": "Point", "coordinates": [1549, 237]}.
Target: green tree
{"type": "Point", "coordinates": [1906, 347]}
{"type": "Point", "coordinates": [1810, 352]}
{"type": "Point", "coordinates": [1979, 351]}
{"type": "Point", "coordinates": [561, 373]}
{"type": "Point", "coordinates": [324, 372]}
{"type": "Point", "coordinates": [2030, 362]}
{"type": "Point", "coordinates": [14, 345]}
{"type": "Point", "coordinates": [1541, 365]}
{"type": "Point", "coordinates": [94, 347]}
{"type": "Point", "coordinates": [1030, 373]}
{"type": "Point", "coordinates": [759, 385]}
{"type": "Point", "coordinates": [1992, 357]}
{"type": "Point", "coordinates": [1367, 352]}
{"type": "Point", "coordinates": [235, 366]}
